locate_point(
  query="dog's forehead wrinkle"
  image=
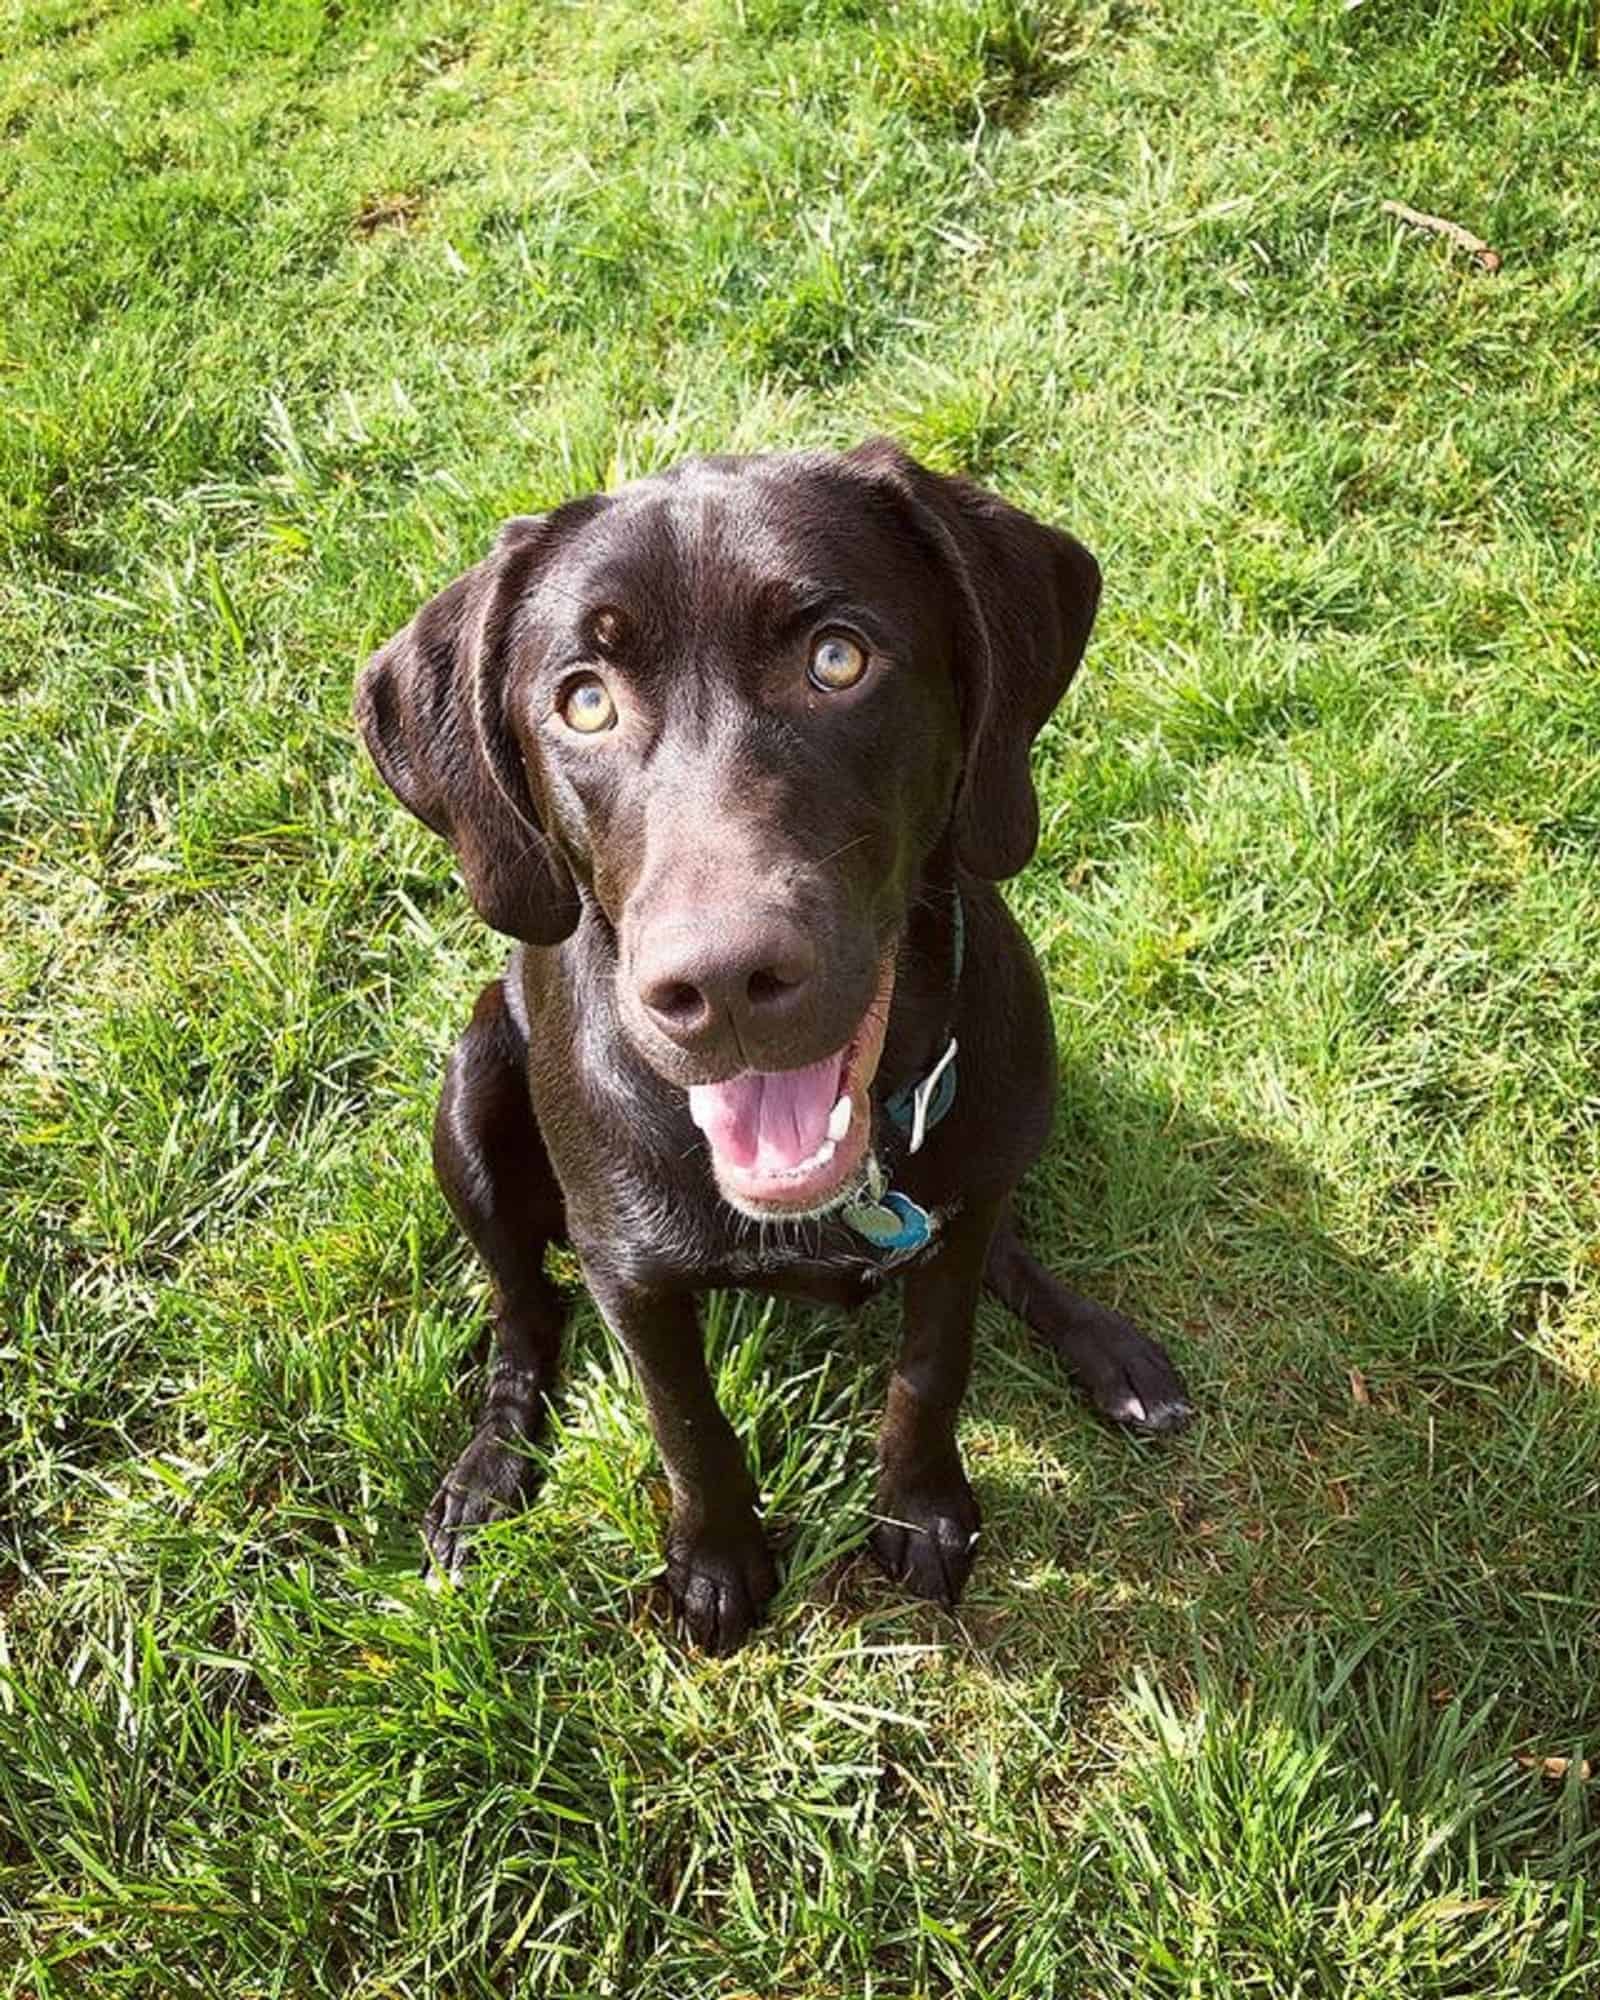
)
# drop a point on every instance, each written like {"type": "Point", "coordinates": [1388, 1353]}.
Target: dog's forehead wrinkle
{"type": "Point", "coordinates": [621, 557]}
{"type": "Point", "coordinates": [759, 530]}
{"type": "Point", "coordinates": [727, 551]}
{"type": "Point", "coordinates": [715, 554]}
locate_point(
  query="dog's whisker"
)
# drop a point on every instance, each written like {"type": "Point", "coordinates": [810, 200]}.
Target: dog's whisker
{"type": "Point", "coordinates": [843, 848]}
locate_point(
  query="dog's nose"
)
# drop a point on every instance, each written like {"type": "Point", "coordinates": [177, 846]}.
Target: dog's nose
{"type": "Point", "coordinates": [701, 976]}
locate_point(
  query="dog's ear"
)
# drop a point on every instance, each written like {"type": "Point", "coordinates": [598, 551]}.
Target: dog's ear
{"type": "Point", "coordinates": [431, 707]}
{"type": "Point", "coordinates": [1025, 596]}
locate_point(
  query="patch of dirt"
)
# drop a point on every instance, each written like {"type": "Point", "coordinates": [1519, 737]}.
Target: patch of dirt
{"type": "Point", "coordinates": [387, 211]}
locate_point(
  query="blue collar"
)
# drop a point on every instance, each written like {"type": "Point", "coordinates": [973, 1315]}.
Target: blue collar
{"type": "Point", "coordinates": [916, 1107]}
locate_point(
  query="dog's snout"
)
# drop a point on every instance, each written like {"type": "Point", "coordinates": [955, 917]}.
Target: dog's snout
{"type": "Point", "coordinates": [707, 974]}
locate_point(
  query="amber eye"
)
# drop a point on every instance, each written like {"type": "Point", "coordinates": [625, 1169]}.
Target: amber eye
{"type": "Point", "coordinates": [837, 663]}
{"type": "Point", "coordinates": [587, 706]}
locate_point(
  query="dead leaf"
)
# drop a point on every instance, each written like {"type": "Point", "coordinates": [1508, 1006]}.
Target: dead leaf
{"type": "Point", "coordinates": [1555, 1768]}
{"type": "Point", "coordinates": [387, 211]}
{"type": "Point", "coordinates": [1475, 247]}
{"type": "Point", "coordinates": [1359, 1392]}
{"type": "Point", "coordinates": [1446, 1909]}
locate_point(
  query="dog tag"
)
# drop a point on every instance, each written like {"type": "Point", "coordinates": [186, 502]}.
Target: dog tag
{"type": "Point", "coordinates": [894, 1222]}
{"type": "Point", "coordinates": [873, 1221]}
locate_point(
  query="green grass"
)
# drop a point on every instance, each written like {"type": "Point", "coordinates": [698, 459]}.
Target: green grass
{"type": "Point", "coordinates": [298, 302]}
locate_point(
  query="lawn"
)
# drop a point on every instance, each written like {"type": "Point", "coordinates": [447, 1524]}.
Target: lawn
{"type": "Point", "coordinates": [297, 301]}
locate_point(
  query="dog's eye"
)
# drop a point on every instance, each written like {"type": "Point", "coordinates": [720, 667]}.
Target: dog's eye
{"type": "Point", "coordinates": [587, 706]}
{"type": "Point", "coordinates": [837, 663]}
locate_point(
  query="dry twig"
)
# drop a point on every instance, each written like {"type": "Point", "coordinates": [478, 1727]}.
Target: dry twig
{"type": "Point", "coordinates": [1464, 239]}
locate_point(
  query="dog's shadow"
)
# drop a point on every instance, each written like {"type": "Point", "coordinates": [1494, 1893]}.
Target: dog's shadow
{"type": "Point", "coordinates": [1367, 1447]}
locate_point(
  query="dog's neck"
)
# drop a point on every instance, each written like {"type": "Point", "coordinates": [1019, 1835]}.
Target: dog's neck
{"type": "Point", "coordinates": [928, 978]}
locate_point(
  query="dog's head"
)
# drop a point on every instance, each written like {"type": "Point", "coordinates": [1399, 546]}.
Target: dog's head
{"type": "Point", "coordinates": [731, 712]}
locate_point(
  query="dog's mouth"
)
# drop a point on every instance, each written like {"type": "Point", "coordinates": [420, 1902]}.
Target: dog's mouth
{"type": "Point", "coordinates": [790, 1143]}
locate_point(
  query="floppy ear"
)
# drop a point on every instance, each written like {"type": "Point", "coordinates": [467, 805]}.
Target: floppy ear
{"type": "Point", "coordinates": [1026, 597]}
{"type": "Point", "coordinates": [431, 707]}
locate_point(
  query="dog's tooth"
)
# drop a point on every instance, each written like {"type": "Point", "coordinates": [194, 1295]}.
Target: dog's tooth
{"type": "Point", "coordinates": [839, 1118]}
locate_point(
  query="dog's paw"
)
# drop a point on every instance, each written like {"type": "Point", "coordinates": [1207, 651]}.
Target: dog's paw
{"type": "Point", "coordinates": [494, 1476]}
{"type": "Point", "coordinates": [721, 1584]}
{"type": "Point", "coordinates": [1134, 1383]}
{"type": "Point", "coordinates": [927, 1540]}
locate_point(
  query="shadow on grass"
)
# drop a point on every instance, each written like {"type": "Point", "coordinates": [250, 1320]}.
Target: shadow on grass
{"type": "Point", "coordinates": [1343, 1630]}
{"type": "Point", "coordinates": [1378, 1461]}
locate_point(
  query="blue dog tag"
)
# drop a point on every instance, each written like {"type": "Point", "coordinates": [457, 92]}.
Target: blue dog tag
{"type": "Point", "coordinates": [893, 1222]}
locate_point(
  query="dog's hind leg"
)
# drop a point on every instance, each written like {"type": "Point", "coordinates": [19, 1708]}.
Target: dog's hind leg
{"type": "Point", "coordinates": [491, 1162]}
{"type": "Point", "coordinates": [1125, 1375]}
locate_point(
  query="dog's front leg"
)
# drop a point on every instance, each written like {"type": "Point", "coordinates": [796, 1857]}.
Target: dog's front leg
{"type": "Point", "coordinates": [926, 1533]}
{"type": "Point", "coordinates": [719, 1569]}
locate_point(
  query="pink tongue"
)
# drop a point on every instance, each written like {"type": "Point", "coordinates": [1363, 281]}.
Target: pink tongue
{"type": "Point", "coordinates": [770, 1119]}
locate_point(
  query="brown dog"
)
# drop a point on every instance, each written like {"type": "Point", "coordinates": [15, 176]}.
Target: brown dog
{"type": "Point", "coordinates": [737, 755]}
